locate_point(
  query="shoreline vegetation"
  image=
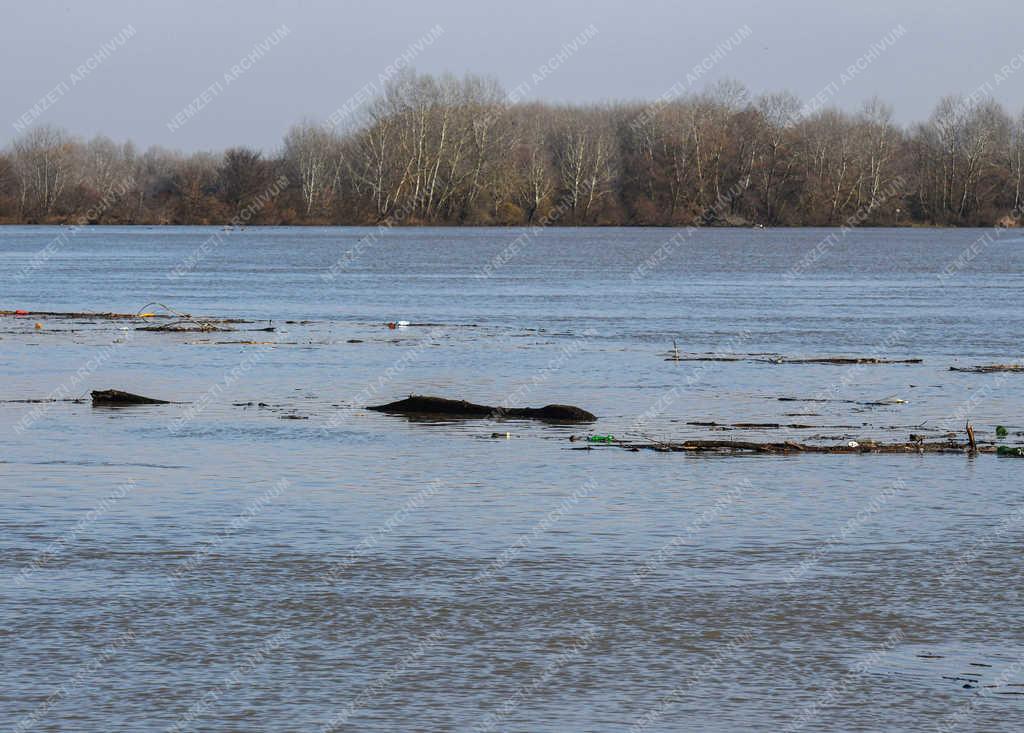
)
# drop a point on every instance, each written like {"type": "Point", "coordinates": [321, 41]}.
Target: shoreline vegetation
{"type": "Point", "coordinates": [449, 152]}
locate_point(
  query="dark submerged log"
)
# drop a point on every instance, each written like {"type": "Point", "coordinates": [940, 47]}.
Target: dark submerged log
{"type": "Point", "coordinates": [441, 407]}
{"type": "Point", "coordinates": [111, 397]}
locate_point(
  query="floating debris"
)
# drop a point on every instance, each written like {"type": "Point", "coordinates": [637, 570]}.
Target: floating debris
{"type": "Point", "coordinates": [184, 327]}
{"type": "Point", "coordinates": [255, 343]}
{"type": "Point", "coordinates": [109, 397]}
{"type": "Point", "coordinates": [779, 359]}
{"type": "Point", "coordinates": [990, 368]}
{"type": "Point", "coordinates": [844, 360]}
{"type": "Point", "coordinates": [179, 322]}
{"type": "Point", "coordinates": [74, 314]}
{"type": "Point", "coordinates": [39, 400]}
{"type": "Point", "coordinates": [762, 425]}
{"type": "Point", "coordinates": [893, 400]}
{"type": "Point", "coordinates": [792, 446]}
{"type": "Point", "coordinates": [442, 407]}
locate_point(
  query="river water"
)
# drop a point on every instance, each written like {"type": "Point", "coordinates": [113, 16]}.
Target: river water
{"type": "Point", "coordinates": [265, 554]}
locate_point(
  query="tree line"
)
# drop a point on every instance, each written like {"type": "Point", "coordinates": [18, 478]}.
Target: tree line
{"type": "Point", "coordinates": [446, 150]}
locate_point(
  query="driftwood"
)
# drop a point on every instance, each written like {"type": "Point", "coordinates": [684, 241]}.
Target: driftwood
{"type": "Point", "coordinates": [676, 357]}
{"type": "Point", "coordinates": [185, 327]}
{"type": "Point", "coordinates": [250, 343]}
{"type": "Point", "coordinates": [113, 397]}
{"type": "Point", "coordinates": [42, 400]}
{"type": "Point", "coordinates": [849, 360]}
{"type": "Point", "coordinates": [791, 446]}
{"type": "Point", "coordinates": [762, 425]}
{"type": "Point", "coordinates": [872, 403]}
{"type": "Point", "coordinates": [179, 322]}
{"type": "Point", "coordinates": [425, 406]}
{"type": "Point", "coordinates": [776, 359]}
{"type": "Point", "coordinates": [93, 316]}
{"type": "Point", "coordinates": [917, 444]}
{"type": "Point", "coordinates": [989, 368]}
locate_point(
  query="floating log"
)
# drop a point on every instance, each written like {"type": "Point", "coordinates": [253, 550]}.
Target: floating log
{"type": "Point", "coordinates": [42, 400]}
{"type": "Point", "coordinates": [185, 327]}
{"type": "Point", "coordinates": [989, 368]}
{"type": "Point", "coordinates": [85, 316]}
{"type": "Point", "coordinates": [74, 314]}
{"type": "Point", "coordinates": [777, 359]}
{"type": "Point", "coordinates": [712, 357]}
{"type": "Point", "coordinates": [112, 397]}
{"type": "Point", "coordinates": [791, 446]}
{"type": "Point", "coordinates": [761, 425]}
{"type": "Point", "coordinates": [871, 403]}
{"type": "Point", "coordinates": [849, 360]}
{"type": "Point", "coordinates": [441, 407]}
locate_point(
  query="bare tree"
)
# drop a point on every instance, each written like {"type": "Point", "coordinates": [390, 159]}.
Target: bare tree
{"type": "Point", "coordinates": [1017, 165]}
{"type": "Point", "coordinates": [582, 151]}
{"type": "Point", "coordinates": [313, 154]}
{"type": "Point", "coordinates": [442, 149]}
{"type": "Point", "coordinates": [778, 158]}
{"type": "Point", "coordinates": [43, 162]}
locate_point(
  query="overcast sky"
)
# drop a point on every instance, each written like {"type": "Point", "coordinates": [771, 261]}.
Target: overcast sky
{"type": "Point", "coordinates": [176, 50]}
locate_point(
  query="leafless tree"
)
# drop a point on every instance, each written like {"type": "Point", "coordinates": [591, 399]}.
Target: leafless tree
{"type": "Point", "coordinates": [44, 164]}
{"type": "Point", "coordinates": [441, 149]}
{"type": "Point", "coordinates": [313, 154]}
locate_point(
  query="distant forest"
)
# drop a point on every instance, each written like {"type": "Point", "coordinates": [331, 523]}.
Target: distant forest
{"type": "Point", "coordinates": [454, 151]}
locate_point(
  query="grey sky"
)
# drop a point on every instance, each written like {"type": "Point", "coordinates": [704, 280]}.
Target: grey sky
{"type": "Point", "coordinates": [642, 48]}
